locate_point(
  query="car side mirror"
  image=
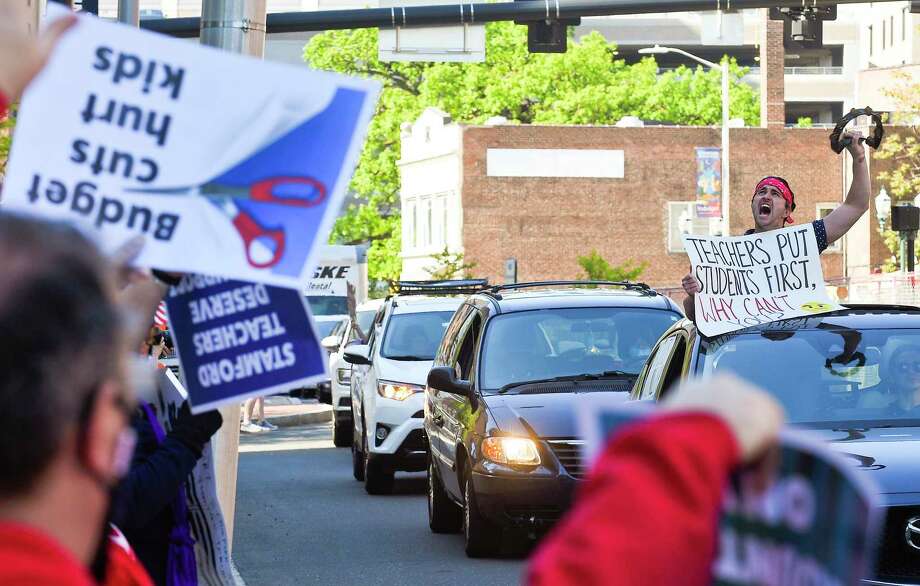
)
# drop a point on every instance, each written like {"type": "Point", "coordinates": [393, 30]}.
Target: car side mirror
{"type": "Point", "coordinates": [357, 355]}
{"type": "Point", "coordinates": [444, 378]}
{"type": "Point", "coordinates": [330, 343]}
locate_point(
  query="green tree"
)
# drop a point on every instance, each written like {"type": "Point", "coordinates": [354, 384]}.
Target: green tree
{"type": "Point", "coordinates": [903, 150]}
{"type": "Point", "coordinates": [586, 85]}
{"type": "Point", "coordinates": [598, 269]}
{"type": "Point", "coordinates": [450, 265]}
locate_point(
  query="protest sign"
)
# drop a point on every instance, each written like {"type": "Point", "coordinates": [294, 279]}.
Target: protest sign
{"type": "Point", "coordinates": [802, 517]}
{"type": "Point", "coordinates": [212, 547]}
{"type": "Point", "coordinates": [749, 280]}
{"type": "Point", "coordinates": [227, 164]}
{"type": "Point", "coordinates": [236, 339]}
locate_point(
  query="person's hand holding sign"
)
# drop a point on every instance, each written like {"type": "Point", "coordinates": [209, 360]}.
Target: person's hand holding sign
{"type": "Point", "coordinates": [691, 288]}
{"type": "Point", "coordinates": [22, 56]}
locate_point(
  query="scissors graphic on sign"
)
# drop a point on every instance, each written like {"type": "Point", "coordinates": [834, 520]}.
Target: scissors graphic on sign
{"type": "Point", "coordinates": [264, 246]}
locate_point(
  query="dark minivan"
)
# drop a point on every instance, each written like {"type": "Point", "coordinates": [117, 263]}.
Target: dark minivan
{"type": "Point", "coordinates": [501, 396]}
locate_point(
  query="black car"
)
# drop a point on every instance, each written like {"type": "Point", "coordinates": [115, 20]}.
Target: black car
{"type": "Point", "coordinates": [501, 396]}
{"type": "Point", "coordinates": [851, 376]}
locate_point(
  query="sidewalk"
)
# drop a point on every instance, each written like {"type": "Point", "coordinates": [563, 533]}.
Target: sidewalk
{"type": "Point", "coordinates": [288, 411]}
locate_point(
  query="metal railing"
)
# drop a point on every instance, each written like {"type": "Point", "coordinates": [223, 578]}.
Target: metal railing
{"type": "Point", "coordinates": [814, 70]}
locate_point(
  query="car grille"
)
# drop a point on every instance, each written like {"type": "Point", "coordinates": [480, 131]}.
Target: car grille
{"type": "Point", "coordinates": [568, 451]}
{"type": "Point", "coordinates": [623, 385]}
{"type": "Point", "coordinates": [896, 560]}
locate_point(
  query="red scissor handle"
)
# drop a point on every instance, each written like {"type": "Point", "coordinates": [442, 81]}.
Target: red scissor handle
{"type": "Point", "coordinates": [253, 233]}
{"type": "Point", "coordinates": [304, 192]}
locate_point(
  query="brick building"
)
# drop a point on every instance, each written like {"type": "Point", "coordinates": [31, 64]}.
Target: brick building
{"type": "Point", "coordinates": [545, 195]}
{"type": "Point", "coordinates": [492, 211]}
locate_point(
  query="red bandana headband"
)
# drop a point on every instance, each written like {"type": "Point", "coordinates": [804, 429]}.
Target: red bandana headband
{"type": "Point", "coordinates": [783, 189]}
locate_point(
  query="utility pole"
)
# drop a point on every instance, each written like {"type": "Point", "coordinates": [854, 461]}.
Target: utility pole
{"type": "Point", "coordinates": [128, 12]}
{"type": "Point", "coordinates": [237, 26]}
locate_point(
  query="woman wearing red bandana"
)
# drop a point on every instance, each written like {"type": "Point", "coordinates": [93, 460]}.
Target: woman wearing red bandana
{"type": "Point", "coordinates": [773, 203]}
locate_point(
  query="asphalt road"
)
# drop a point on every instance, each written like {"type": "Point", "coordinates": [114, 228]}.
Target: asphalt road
{"type": "Point", "coordinates": [301, 518]}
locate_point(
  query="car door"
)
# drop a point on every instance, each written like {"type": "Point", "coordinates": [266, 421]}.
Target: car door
{"type": "Point", "coordinates": [435, 398]}
{"type": "Point", "coordinates": [459, 416]}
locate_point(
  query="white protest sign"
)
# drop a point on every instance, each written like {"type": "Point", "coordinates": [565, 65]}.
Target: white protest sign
{"type": "Point", "coordinates": [755, 279]}
{"type": "Point", "coordinates": [228, 165]}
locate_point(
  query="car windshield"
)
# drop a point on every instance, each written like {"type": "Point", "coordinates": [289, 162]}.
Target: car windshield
{"type": "Point", "coordinates": [414, 336]}
{"type": "Point", "coordinates": [828, 377]}
{"type": "Point", "coordinates": [327, 305]}
{"type": "Point", "coordinates": [543, 344]}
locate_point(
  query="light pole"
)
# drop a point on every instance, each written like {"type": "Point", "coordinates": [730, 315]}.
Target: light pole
{"type": "Point", "coordinates": [723, 67]}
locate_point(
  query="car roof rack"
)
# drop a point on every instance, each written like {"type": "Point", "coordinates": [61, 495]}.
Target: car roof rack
{"type": "Point", "coordinates": [495, 291]}
{"type": "Point", "coordinates": [442, 287]}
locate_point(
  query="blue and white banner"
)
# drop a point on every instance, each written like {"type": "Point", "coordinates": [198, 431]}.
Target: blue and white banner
{"type": "Point", "coordinates": [228, 165]}
{"type": "Point", "coordinates": [238, 339]}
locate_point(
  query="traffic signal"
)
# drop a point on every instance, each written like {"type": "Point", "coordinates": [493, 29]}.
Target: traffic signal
{"type": "Point", "coordinates": [548, 36]}
{"type": "Point", "coordinates": [803, 28]}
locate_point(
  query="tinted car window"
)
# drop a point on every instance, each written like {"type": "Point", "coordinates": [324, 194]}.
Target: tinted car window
{"type": "Point", "coordinates": [365, 320]}
{"type": "Point", "coordinates": [532, 345]}
{"type": "Point", "coordinates": [414, 336]}
{"type": "Point", "coordinates": [327, 305]}
{"type": "Point", "coordinates": [656, 369]}
{"type": "Point", "coordinates": [835, 376]}
{"type": "Point", "coordinates": [324, 328]}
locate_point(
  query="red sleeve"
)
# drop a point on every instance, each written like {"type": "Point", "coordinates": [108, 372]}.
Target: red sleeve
{"type": "Point", "coordinates": [648, 513]}
{"type": "Point", "coordinates": [4, 105]}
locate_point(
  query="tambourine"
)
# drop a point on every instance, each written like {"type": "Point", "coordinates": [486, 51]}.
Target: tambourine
{"type": "Point", "coordinates": [874, 141]}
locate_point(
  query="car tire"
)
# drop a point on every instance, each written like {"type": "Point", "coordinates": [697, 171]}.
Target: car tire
{"type": "Point", "coordinates": [377, 480]}
{"type": "Point", "coordinates": [481, 537]}
{"type": "Point", "coordinates": [443, 515]}
{"type": "Point", "coordinates": [357, 456]}
{"type": "Point", "coordinates": [341, 433]}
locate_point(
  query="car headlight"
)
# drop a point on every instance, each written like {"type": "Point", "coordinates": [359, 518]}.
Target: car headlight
{"type": "Point", "coordinates": [343, 375]}
{"type": "Point", "coordinates": [397, 391]}
{"type": "Point", "coordinates": [511, 450]}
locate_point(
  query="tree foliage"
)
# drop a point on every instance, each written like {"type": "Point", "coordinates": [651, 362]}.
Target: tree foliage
{"type": "Point", "coordinates": [903, 150]}
{"type": "Point", "coordinates": [450, 265]}
{"type": "Point", "coordinates": [6, 136]}
{"type": "Point", "coordinates": [586, 85]}
{"type": "Point", "coordinates": [598, 269]}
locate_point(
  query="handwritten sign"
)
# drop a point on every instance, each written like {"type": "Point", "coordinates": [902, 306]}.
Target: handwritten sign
{"type": "Point", "coordinates": [238, 339]}
{"type": "Point", "coordinates": [803, 517]}
{"type": "Point", "coordinates": [227, 164]}
{"type": "Point", "coordinates": [750, 280]}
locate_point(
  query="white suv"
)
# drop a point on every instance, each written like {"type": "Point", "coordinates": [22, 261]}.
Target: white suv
{"type": "Point", "coordinates": [340, 371]}
{"type": "Point", "coordinates": [388, 380]}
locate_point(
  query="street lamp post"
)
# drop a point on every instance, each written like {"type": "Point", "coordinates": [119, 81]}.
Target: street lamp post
{"type": "Point", "coordinates": [723, 67]}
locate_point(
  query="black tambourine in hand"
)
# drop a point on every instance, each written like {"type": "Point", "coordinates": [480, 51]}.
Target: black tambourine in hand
{"type": "Point", "coordinates": [873, 141]}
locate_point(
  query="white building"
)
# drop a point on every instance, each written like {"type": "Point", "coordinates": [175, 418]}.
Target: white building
{"type": "Point", "coordinates": [430, 172]}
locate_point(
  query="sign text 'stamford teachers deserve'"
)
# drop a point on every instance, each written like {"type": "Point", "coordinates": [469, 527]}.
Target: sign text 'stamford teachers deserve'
{"type": "Point", "coordinates": [750, 280]}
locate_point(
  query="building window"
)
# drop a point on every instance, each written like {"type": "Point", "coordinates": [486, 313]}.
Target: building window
{"type": "Point", "coordinates": [676, 210]}
{"type": "Point", "coordinates": [871, 40]}
{"type": "Point", "coordinates": [409, 228]}
{"type": "Point", "coordinates": [821, 212]}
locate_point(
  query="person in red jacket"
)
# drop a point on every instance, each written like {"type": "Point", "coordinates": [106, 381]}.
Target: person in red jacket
{"type": "Point", "coordinates": [648, 514]}
{"type": "Point", "coordinates": [22, 55]}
